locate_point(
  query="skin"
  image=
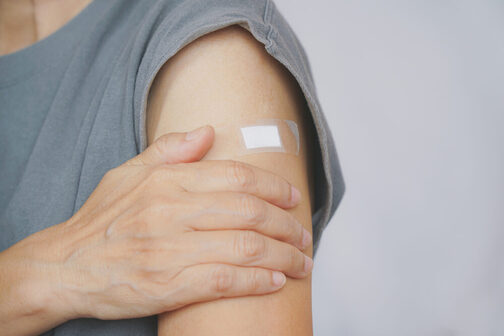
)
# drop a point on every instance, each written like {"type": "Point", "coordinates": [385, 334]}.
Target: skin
{"type": "Point", "coordinates": [193, 232]}
{"type": "Point", "coordinates": [158, 233]}
{"type": "Point", "coordinates": [227, 78]}
{"type": "Point", "coordinates": [24, 22]}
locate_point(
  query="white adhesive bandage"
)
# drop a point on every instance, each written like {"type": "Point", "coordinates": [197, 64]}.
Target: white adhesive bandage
{"type": "Point", "coordinates": [258, 136]}
{"type": "Point", "coordinates": [263, 136]}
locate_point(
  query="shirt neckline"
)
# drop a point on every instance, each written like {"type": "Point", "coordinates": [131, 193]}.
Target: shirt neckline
{"type": "Point", "coordinates": [40, 55]}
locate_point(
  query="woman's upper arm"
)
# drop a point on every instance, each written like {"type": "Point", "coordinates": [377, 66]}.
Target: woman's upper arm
{"type": "Point", "coordinates": [227, 76]}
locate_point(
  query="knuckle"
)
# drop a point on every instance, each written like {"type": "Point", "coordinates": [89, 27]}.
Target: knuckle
{"type": "Point", "coordinates": [250, 244]}
{"type": "Point", "coordinates": [161, 144]}
{"type": "Point", "coordinates": [161, 202]}
{"type": "Point", "coordinates": [280, 188]}
{"type": "Point", "coordinates": [162, 207]}
{"type": "Point", "coordinates": [153, 208]}
{"type": "Point", "coordinates": [160, 173]}
{"type": "Point", "coordinates": [294, 230]}
{"type": "Point", "coordinates": [240, 175]}
{"type": "Point", "coordinates": [254, 280]}
{"type": "Point", "coordinates": [300, 233]}
{"type": "Point", "coordinates": [252, 209]}
{"type": "Point", "coordinates": [221, 279]}
{"type": "Point", "coordinates": [155, 179]}
{"type": "Point", "coordinates": [296, 259]}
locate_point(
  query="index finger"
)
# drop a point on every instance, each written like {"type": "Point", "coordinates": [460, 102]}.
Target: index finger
{"type": "Point", "coordinates": [230, 175]}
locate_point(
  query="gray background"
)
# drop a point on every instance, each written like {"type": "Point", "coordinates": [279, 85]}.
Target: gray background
{"type": "Point", "coordinates": [414, 93]}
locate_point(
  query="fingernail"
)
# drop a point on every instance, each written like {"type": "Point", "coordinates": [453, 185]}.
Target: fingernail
{"type": "Point", "coordinates": [194, 134]}
{"type": "Point", "coordinates": [306, 238]}
{"type": "Point", "coordinates": [308, 264]}
{"type": "Point", "coordinates": [279, 279]}
{"type": "Point", "coordinates": [295, 195]}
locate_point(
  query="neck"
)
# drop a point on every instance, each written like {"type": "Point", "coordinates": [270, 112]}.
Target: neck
{"type": "Point", "coordinates": [24, 22]}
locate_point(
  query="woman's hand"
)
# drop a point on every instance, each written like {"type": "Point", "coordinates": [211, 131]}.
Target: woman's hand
{"type": "Point", "coordinates": [156, 235]}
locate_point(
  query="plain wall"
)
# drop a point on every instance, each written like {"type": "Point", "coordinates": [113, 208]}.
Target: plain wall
{"type": "Point", "coordinates": [414, 93]}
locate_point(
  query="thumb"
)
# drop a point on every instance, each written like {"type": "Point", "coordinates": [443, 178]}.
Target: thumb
{"type": "Point", "coordinates": [176, 147]}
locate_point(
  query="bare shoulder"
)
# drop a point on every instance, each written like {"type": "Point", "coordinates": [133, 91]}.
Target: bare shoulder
{"type": "Point", "coordinates": [227, 75]}
{"type": "Point", "coordinates": [230, 69]}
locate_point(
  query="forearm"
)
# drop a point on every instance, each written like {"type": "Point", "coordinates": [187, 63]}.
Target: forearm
{"type": "Point", "coordinates": [29, 302]}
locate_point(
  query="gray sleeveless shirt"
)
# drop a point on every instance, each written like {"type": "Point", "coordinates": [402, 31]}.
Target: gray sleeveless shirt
{"type": "Point", "coordinates": [72, 106]}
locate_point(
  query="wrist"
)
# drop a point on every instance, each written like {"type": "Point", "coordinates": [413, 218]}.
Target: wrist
{"type": "Point", "coordinates": [58, 276]}
{"type": "Point", "coordinates": [37, 296]}
{"type": "Point", "coordinates": [68, 282]}
{"type": "Point", "coordinates": [30, 286]}
{"type": "Point", "coordinates": [26, 307]}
